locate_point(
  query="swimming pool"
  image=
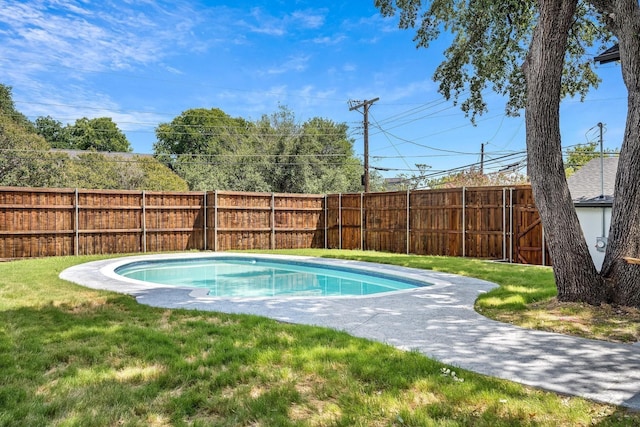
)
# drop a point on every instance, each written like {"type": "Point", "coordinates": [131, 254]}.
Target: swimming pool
{"type": "Point", "coordinates": [242, 276]}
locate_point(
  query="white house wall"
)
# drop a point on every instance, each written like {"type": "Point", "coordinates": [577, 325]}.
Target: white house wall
{"type": "Point", "coordinates": [592, 226]}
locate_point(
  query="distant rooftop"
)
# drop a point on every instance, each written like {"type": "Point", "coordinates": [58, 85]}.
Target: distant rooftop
{"type": "Point", "coordinates": [610, 55]}
{"type": "Point", "coordinates": [586, 184]}
{"type": "Point", "coordinates": [75, 153]}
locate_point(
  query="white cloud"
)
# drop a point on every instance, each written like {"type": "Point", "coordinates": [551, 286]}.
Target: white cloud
{"type": "Point", "coordinates": [295, 63]}
{"type": "Point", "coordinates": [349, 68]}
{"type": "Point", "coordinates": [408, 90]}
{"type": "Point", "coordinates": [330, 41]}
{"type": "Point", "coordinates": [374, 26]}
{"type": "Point", "coordinates": [309, 18]}
{"type": "Point", "coordinates": [106, 34]}
{"type": "Point", "coordinates": [80, 102]}
{"type": "Point", "coordinates": [173, 70]}
{"type": "Point", "coordinates": [52, 51]}
{"type": "Point", "coordinates": [390, 91]}
{"type": "Point", "coordinates": [265, 23]}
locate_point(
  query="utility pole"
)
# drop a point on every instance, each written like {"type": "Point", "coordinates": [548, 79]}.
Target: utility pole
{"type": "Point", "coordinates": [600, 125]}
{"type": "Point", "coordinates": [482, 159]}
{"type": "Point", "coordinates": [354, 105]}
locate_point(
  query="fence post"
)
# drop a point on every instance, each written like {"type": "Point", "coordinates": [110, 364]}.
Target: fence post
{"type": "Point", "coordinates": [408, 217]}
{"type": "Point", "coordinates": [273, 221]}
{"type": "Point", "coordinates": [215, 221]}
{"type": "Point", "coordinates": [511, 225]}
{"type": "Point", "coordinates": [362, 221]}
{"type": "Point", "coordinates": [340, 221]}
{"type": "Point", "coordinates": [326, 222]}
{"type": "Point", "coordinates": [504, 223]}
{"type": "Point", "coordinates": [464, 223]}
{"type": "Point", "coordinates": [76, 223]}
{"type": "Point", "coordinates": [204, 220]}
{"type": "Point", "coordinates": [144, 222]}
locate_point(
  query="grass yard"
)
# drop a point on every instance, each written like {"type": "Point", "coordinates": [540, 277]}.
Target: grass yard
{"type": "Point", "coordinates": [72, 356]}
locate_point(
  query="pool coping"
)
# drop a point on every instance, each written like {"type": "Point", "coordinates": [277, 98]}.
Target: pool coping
{"type": "Point", "coordinates": [438, 321]}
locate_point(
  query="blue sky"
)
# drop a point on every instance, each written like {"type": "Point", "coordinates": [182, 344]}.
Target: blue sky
{"type": "Point", "coordinates": [143, 62]}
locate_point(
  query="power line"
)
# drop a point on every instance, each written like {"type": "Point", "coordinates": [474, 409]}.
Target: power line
{"type": "Point", "coordinates": [74, 152]}
{"type": "Point", "coordinates": [136, 159]}
{"type": "Point", "coordinates": [472, 165]}
{"type": "Point", "coordinates": [408, 141]}
{"type": "Point", "coordinates": [394, 146]}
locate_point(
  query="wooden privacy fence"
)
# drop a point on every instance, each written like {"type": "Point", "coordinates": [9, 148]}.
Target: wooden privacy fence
{"type": "Point", "coordinates": [482, 222]}
{"type": "Point", "coordinates": [38, 222]}
{"type": "Point", "coordinates": [264, 221]}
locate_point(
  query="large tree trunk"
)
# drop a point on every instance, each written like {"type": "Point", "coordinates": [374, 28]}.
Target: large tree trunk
{"type": "Point", "coordinates": [623, 18]}
{"type": "Point", "coordinates": [576, 276]}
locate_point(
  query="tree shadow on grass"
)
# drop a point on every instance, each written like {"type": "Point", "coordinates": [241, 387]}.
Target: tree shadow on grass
{"type": "Point", "coordinates": [115, 361]}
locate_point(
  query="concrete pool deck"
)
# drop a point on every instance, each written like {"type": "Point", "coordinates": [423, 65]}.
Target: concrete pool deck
{"type": "Point", "coordinates": [438, 321]}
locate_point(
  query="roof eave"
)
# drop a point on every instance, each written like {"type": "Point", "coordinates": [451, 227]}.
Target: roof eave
{"type": "Point", "coordinates": [610, 55]}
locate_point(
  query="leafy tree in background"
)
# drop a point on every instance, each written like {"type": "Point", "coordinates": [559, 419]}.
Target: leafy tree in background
{"type": "Point", "coordinates": [212, 150]}
{"type": "Point", "coordinates": [475, 178]}
{"type": "Point", "coordinates": [7, 109]}
{"type": "Point", "coordinates": [25, 160]}
{"type": "Point", "coordinates": [330, 163]}
{"type": "Point", "coordinates": [92, 170]}
{"type": "Point", "coordinates": [95, 170]}
{"type": "Point", "coordinates": [581, 154]}
{"type": "Point", "coordinates": [279, 134]}
{"type": "Point", "coordinates": [208, 149]}
{"type": "Point", "coordinates": [158, 177]}
{"type": "Point", "coordinates": [202, 131]}
{"type": "Point", "coordinates": [534, 53]}
{"type": "Point", "coordinates": [53, 132]}
{"type": "Point", "coordinates": [100, 134]}
{"type": "Point", "coordinates": [24, 157]}
{"type": "Point", "coordinates": [315, 157]}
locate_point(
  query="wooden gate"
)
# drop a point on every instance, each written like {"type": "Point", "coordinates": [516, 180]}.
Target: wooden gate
{"type": "Point", "coordinates": [529, 246]}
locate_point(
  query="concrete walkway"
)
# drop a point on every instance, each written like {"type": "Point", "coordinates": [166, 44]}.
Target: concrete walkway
{"type": "Point", "coordinates": [438, 321]}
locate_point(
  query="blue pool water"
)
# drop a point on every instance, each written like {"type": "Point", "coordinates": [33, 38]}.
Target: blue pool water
{"type": "Point", "coordinates": [248, 277]}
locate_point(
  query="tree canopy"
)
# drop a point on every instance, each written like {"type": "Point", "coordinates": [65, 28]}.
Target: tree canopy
{"type": "Point", "coordinates": [201, 149]}
{"type": "Point", "coordinates": [119, 172]}
{"type": "Point", "coordinates": [8, 110]}
{"type": "Point", "coordinates": [490, 40]}
{"type": "Point", "coordinates": [99, 134]}
{"type": "Point", "coordinates": [53, 132]}
{"type": "Point", "coordinates": [212, 150]}
{"type": "Point", "coordinates": [23, 158]}
{"type": "Point", "coordinates": [28, 161]}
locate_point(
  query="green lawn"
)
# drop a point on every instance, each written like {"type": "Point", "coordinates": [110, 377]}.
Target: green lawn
{"type": "Point", "coordinates": [74, 356]}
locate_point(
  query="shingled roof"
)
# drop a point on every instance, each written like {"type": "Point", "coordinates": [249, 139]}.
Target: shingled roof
{"type": "Point", "coordinates": [610, 55]}
{"type": "Point", "coordinates": [586, 184]}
